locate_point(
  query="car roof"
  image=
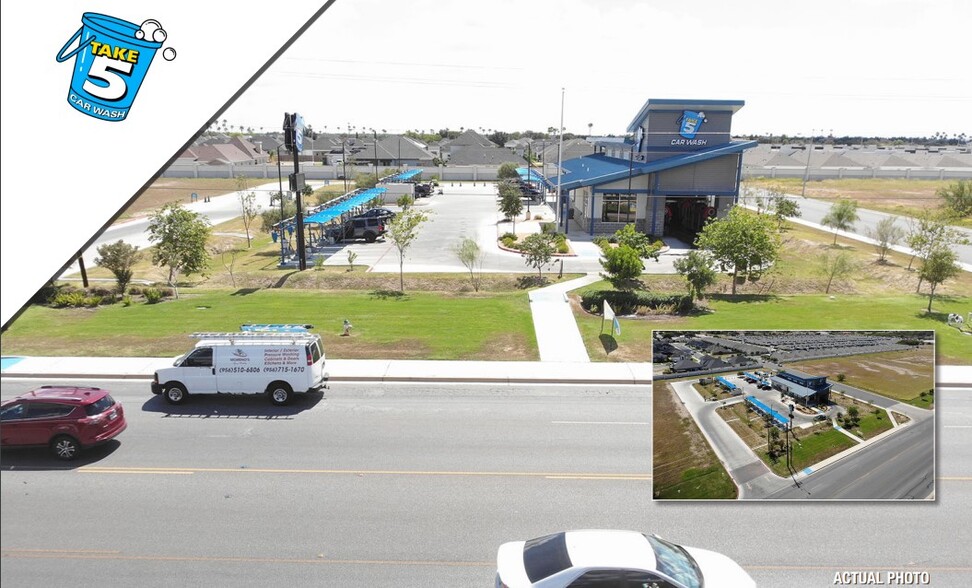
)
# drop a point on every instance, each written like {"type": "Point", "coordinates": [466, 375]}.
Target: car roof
{"type": "Point", "coordinates": [73, 394]}
{"type": "Point", "coordinates": [610, 548]}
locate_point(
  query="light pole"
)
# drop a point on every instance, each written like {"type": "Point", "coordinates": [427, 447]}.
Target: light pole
{"type": "Point", "coordinates": [375, 133]}
{"type": "Point", "coordinates": [344, 162]}
{"type": "Point", "coordinates": [806, 173]}
{"type": "Point", "coordinates": [530, 199]}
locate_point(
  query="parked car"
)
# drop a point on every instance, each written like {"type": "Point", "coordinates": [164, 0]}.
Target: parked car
{"type": "Point", "coordinates": [66, 419]}
{"type": "Point", "coordinates": [423, 190]}
{"type": "Point", "coordinates": [364, 227]}
{"type": "Point", "coordinates": [382, 213]}
{"type": "Point", "coordinates": [613, 558]}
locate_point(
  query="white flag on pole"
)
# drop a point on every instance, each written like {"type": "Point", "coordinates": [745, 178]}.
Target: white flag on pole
{"type": "Point", "coordinates": [608, 311]}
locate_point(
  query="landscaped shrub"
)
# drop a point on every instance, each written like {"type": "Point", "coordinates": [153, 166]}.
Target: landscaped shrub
{"type": "Point", "coordinates": [46, 294]}
{"type": "Point", "coordinates": [560, 242]}
{"type": "Point", "coordinates": [72, 298]}
{"type": "Point", "coordinates": [548, 227]}
{"type": "Point", "coordinates": [505, 236]}
{"type": "Point", "coordinates": [152, 295]}
{"type": "Point", "coordinates": [92, 301]}
{"type": "Point", "coordinates": [601, 242]}
{"type": "Point", "coordinates": [628, 302]}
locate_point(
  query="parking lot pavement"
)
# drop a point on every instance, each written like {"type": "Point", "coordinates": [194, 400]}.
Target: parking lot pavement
{"type": "Point", "coordinates": [470, 211]}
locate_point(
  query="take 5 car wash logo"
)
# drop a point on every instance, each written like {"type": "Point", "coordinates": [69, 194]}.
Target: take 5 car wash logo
{"type": "Point", "coordinates": [688, 125]}
{"type": "Point", "coordinates": [111, 60]}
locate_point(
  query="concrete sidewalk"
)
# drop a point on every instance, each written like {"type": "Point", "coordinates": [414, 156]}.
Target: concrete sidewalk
{"type": "Point", "coordinates": [558, 338]}
{"type": "Point", "coordinates": [356, 370]}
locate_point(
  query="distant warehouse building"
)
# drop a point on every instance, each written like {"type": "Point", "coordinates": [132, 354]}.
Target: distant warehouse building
{"type": "Point", "coordinates": [804, 388]}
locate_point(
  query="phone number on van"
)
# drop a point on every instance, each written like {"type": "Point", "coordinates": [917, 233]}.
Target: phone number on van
{"type": "Point", "coordinates": [239, 370]}
{"type": "Point", "coordinates": [285, 368]}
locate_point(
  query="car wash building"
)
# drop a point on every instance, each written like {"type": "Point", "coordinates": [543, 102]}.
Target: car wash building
{"type": "Point", "coordinates": [807, 389]}
{"type": "Point", "coordinates": [677, 168]}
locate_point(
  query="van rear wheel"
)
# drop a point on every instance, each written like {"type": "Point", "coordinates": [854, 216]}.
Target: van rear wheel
{"type": "Point", "coordinates": [280, 393]}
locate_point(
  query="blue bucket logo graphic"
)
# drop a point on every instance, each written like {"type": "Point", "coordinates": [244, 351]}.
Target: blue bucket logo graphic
{"type": "Point", "coordinates": [690, 122]}
{"type": "Point", "coordinates": [111, 61]}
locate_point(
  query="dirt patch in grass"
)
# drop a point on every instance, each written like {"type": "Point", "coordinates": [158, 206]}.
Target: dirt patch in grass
{"type": "Point", "coordinates": [901, 375]}
{"type": "Point", "coordinates": [684, 465]}
{"type": "Point", "coordinates": [356, 347]}
{"type": "Point", "coordinates": [507, 347]}
{"type": "Point", "coordinates": [751, 430]}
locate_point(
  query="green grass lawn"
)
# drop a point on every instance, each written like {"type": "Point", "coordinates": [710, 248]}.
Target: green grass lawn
{"type": "Point", "coordinates": [871, 424]}
{"type": "Point", "coordinates": [794, 312]}
{"type": "Point", "coordinates": [683, 464]}
{"type": "Point", "coordinates": [419, 325]}
{"type": "Point", "coordinates": [700, 484]}
{"type": "Point", "coordinates": [810, 449]}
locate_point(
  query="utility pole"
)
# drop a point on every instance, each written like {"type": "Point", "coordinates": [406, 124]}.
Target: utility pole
{"type": "Point", "coordinates": [560, 165]}
{"type": "Point", "coordinates": [283, 250]}
{"type": "Point", "coordinates": [294, 139]}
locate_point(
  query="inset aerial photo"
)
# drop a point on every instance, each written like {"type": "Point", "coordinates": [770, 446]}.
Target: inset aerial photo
{"type": "Point", "coordinates": [793, 415]}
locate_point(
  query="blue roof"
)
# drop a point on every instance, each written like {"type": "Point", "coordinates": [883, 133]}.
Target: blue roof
{"type": "Point", "coordinates": [676, 104]}
{"type": "Point", "coordinates": [592, 170]}
{"type": "Point", "coordinates": [533, 176]}
{"type": "Point", "coordinates": [334, 211]}
{"type": "Point", "coordinates": [402, 176]}
{"type": "Point", "coordinates": [767, 410]}
{"type": "Point", "coordinates": [796, 389]}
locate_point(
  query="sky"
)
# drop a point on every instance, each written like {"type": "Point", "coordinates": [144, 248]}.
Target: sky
{"type": "Point", "coordinates": [826, 67]}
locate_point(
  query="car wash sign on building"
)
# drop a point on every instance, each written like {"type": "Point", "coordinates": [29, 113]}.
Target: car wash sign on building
{"type": "Point", "coordinates": [685, 125]}
{"type": "Point", "coordinates": [689, 125]}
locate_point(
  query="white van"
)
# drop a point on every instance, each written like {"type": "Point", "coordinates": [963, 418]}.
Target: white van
{"type": "Point", "coordinates": [276, 364]}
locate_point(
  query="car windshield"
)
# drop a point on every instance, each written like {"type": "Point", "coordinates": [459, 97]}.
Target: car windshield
{"type": "Point", "coordinates": [545, 556]}
{"type": "Point", "coordinates": [674, 562]}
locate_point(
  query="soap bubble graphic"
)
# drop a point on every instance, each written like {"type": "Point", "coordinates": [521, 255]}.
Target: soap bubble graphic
{"type": "Point", "coordinates": [152, 29]}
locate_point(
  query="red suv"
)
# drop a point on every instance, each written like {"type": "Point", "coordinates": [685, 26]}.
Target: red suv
{"type": "Point", "coordinates": [64, 418]}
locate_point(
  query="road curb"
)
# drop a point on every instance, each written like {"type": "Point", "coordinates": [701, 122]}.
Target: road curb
{"type": "Point", "coordinates": [632, 381]}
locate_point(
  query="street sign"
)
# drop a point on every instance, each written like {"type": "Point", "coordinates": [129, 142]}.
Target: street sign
{"type": "Point", "coordinates": [298, 132]}
{"type": "Point", "coordinates": [297, 182]}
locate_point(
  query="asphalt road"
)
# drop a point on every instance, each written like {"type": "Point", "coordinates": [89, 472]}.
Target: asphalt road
{"type": "Point", "coordinates": [394, 485]}
{"type": "Point", "coordinates": [900, 466]}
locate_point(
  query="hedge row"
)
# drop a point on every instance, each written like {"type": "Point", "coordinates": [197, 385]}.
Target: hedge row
{"type": "Point", "coordinates": [628, 302]}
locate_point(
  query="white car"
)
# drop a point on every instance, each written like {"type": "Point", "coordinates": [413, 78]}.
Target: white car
{"type": "Point", "coordinates": [613, 559]}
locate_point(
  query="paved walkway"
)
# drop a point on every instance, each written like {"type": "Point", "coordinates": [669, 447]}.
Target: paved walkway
{"type": "Point", "coordinates": [558, 337]}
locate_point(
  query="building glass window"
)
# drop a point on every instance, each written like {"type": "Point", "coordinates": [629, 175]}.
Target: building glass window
{"type": "Point", "coordinates": [619, 208]}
